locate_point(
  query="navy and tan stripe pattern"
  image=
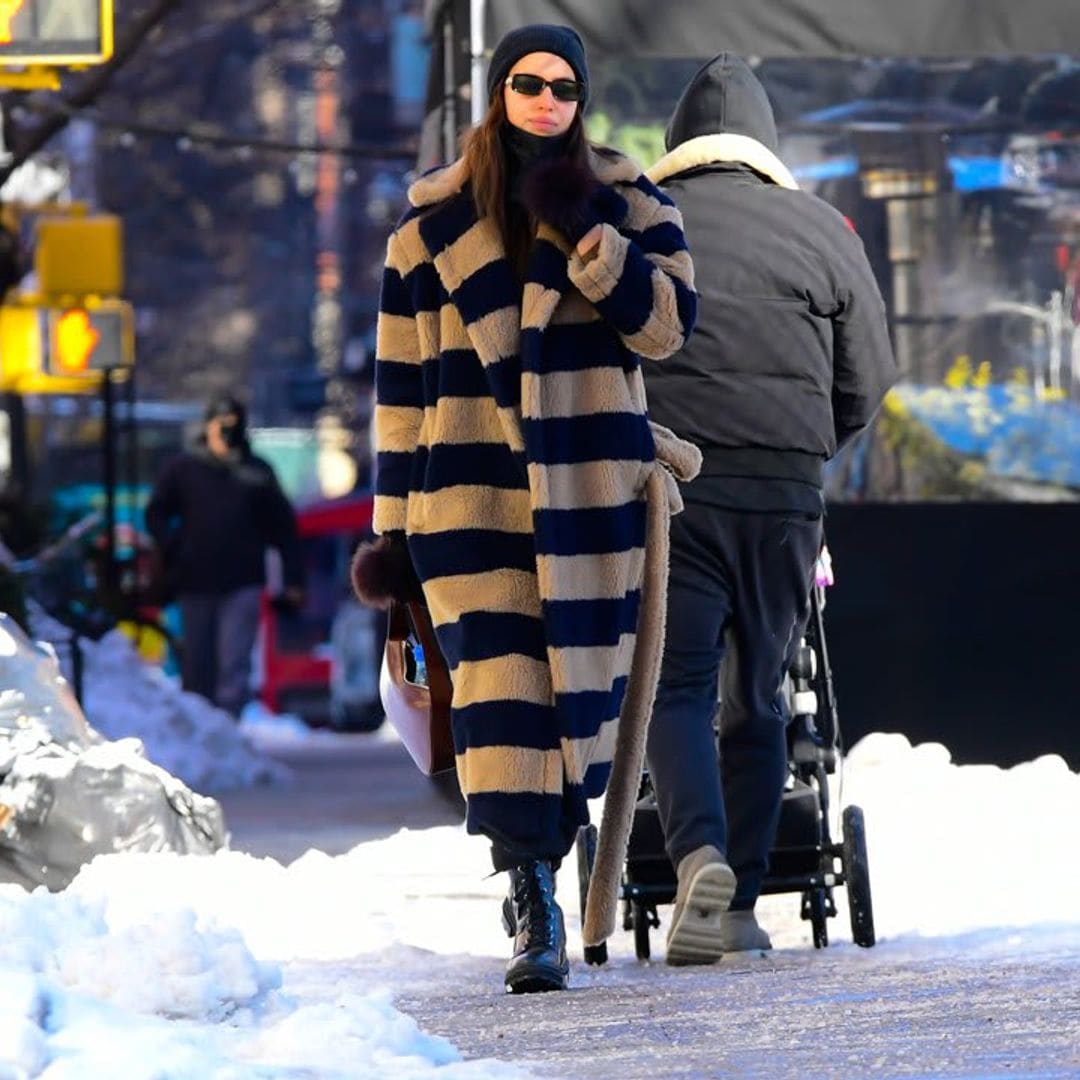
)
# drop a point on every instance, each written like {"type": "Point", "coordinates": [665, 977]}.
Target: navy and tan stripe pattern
{"type": "Point", "coordinates": [513, 446]}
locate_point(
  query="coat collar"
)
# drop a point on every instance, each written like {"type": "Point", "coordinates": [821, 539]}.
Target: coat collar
{"type": "Point", "coordinates": [442, 183]}
{"type": "Point", "coordinates": [726, 148]}
{"type": "Point", "coordinates": [462, 246]}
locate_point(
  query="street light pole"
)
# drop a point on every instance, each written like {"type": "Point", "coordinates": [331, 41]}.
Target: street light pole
{"type": "Point", "coordinates": [326, 318]}
{"type": "Point", "coordinates": [109, 479]}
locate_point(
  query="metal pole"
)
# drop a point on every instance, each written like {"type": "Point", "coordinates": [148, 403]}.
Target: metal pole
{"type": "Point", "coordinates": [19, 454]}
{"type": "Point", "coordinates": [131, 484]}
{"type": "Point", "coordinates": [76, 666]}
{"type": "Point", "coordinates": [450, 111]}
{"type": "Point", "coordinates": [131, 458]}
{"type": "Point", "coordinates": [1057, 334]}
{"type": "Point", "coordinates": [326, 317]}
{"type": "Point", "coordinates": [477, 9]}
{"type": "Point", "coordinates": [109, 462]}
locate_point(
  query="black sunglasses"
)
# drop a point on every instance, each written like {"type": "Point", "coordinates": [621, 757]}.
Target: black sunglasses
{"type": "Point", "coordinates": [533, 86]}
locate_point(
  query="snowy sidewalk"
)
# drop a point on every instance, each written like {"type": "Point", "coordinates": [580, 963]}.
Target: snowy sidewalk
{"type": "Point", "coordinates": [963, 1007]}
{"type": "Point", "coordinates": [968, 1003]}
{"type": "Point", "coordinates": [386, 960]}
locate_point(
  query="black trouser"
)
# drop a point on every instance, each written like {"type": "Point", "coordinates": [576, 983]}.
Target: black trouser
{"type": "Point", "coordinates": [739, 593]}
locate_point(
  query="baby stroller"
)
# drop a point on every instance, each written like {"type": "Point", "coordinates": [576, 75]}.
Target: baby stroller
{"type": "Point", "coordinates": [804, 859]}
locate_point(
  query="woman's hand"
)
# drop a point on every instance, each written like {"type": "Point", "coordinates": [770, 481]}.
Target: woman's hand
{"type": "Point", "coordinates": [589, 244]}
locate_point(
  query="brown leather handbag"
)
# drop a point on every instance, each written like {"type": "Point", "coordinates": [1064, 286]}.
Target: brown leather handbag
{"type": "Point", "coordinates": [417, 707]}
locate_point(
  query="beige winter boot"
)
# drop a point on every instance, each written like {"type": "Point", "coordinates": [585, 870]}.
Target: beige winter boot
{"type": "Point", "coordinates": [706, 886]}
{"type": "Point", "coordinates": [740, 932]}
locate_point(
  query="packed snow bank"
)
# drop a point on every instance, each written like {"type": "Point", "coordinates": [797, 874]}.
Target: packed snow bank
{"type": "Point", "coordinates": [93, 987]}
{"type": "Point", "coordinates": [961, 848]}
{"type": "Point", "coordinates": [144, 962]}
{"type": "Point", "coordinates": [124, 697]}
{"type": "Point", "coordinates": [66, 793]}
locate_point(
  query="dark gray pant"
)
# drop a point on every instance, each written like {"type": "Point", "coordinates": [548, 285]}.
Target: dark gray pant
{"type": "Point", "coordinates": [219, 634]}
{"type": "Point", "coordinates": [738, 594]}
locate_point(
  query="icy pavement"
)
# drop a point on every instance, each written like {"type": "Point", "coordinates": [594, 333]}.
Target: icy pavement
{"type": "Point", "coordinates": [959, 1007]}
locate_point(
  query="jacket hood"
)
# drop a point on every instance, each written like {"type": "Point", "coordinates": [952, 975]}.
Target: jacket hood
{"type": "Point", "coordinates": [724, 97]}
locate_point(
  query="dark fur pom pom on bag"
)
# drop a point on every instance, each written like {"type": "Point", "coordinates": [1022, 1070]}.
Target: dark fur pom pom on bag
{"type": "Point", "coordinates": [383, 572]}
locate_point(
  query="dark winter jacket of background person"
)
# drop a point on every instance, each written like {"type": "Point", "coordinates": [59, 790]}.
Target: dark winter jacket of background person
{"type": "Point", "coordinates": [214, 518]}
{"type": "Point", "coordinates": [791, 356]}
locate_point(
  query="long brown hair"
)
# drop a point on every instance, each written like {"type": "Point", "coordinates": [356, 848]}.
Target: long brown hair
{"type": "Point", "coordinates": [485, 164]}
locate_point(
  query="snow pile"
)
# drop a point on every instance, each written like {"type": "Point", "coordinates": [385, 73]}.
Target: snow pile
{"type": "Point", "coordinates": [404, 890]}
{"type": "Point", "coordinates": [959, 848]}
{"type": "Point", "coordinates": [169, 967]}
{"type": "Point", "coordinates": [183, 733]}
{"type": "Point", "coordinates": [91, 989]}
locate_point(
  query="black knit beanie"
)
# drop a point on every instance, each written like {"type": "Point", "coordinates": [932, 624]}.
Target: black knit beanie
{"type": "Point", "coordinates": [539, 37]}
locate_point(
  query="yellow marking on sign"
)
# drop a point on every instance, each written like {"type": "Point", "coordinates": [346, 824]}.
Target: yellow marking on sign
{"type": "Point", "coordinates": [8, 10]}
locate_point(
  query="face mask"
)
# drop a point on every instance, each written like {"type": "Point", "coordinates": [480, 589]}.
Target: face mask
{"type": "Point", "coordinates": [233, 435]}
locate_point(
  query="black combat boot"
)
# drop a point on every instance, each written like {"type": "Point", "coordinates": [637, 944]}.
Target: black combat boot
{"type": "Point", "coordinates": [535, 921]}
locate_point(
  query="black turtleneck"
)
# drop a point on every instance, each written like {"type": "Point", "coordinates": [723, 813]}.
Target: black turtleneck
{"type": "Point", "coordinates": [523, 150]}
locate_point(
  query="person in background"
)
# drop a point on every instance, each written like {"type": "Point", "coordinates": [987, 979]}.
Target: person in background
{"type": "Point", "coordinates": [517, 472]}
{"type": "Point", "coordinates": [790, 360]}
{"type": "Point", "coordinates": [213, 513]}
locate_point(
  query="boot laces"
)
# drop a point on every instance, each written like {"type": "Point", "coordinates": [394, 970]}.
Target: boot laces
{"type": "Point", "coordinates": [534, 900]}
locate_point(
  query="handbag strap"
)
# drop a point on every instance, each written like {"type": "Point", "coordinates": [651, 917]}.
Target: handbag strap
{"type": "Point", "coordinates": [398, 623]}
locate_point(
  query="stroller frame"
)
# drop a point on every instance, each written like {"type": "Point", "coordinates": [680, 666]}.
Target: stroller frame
{"type": "Point", "coordinates": [804, 858]}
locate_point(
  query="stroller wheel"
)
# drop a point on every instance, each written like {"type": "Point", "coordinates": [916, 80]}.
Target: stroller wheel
{"type": "Point", "coordinates": [857, 875]}
{"type": "Point", "coordinates": [585, 846]}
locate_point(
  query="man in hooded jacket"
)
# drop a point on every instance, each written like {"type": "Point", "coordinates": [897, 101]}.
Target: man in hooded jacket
{"type": "Point", "coordinates": [214, 511]}
{"type": "Point", "coordinates": [790, 360]}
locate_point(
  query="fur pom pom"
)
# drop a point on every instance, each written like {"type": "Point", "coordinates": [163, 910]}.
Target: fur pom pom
{"type": "Point", "coordinates": [557, 191]}
{"type": "Point", "coordinates": [383, 572]}
{"type": "Point", "coordinates": [570, 199]}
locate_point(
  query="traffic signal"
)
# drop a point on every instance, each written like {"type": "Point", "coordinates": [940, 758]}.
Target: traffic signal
{"type": "Point", "coordinates": [79, 255]}
{"type": "Point", "coordinates": [85, 340]}
{"type": "Point", "coordinates": [55, 32]}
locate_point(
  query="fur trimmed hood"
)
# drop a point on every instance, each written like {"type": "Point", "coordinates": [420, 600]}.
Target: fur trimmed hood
{"type": "Point", "coordinates": [723, 149]}
{"type": "Point", "coordinates": [723, 117]}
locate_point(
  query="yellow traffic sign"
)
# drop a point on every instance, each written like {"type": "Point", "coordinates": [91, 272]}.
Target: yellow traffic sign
{"type": "Point", "coordinates": [79, 255]}
{"type": "Point", "coordinates": [55, 32]}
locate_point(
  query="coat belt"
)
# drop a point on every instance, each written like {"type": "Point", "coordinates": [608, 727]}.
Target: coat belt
{"type": "Point", "coordinates": [676, 460]}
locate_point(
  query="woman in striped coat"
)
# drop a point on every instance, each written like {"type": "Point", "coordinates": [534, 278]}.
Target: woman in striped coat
{"type": "Point", "coordinates": [515, 455]}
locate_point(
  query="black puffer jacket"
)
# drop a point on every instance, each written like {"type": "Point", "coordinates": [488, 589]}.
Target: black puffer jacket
{"type": "Point", "coordinates": [214, 518]}
{"type": "Point", "coordinates": [791, 355]}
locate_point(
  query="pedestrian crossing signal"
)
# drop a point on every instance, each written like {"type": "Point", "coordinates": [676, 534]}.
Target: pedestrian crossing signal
{"type": "Point", "coordinates": [71, 32]}
{"type": "Point", "coordinates": [82, 341]}
{"type": "Point", "coordinates": [76, 339]}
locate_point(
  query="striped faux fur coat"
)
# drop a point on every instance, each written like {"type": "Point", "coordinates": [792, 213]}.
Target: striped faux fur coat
{"type": "Point", "coordinates": [514, 450]}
